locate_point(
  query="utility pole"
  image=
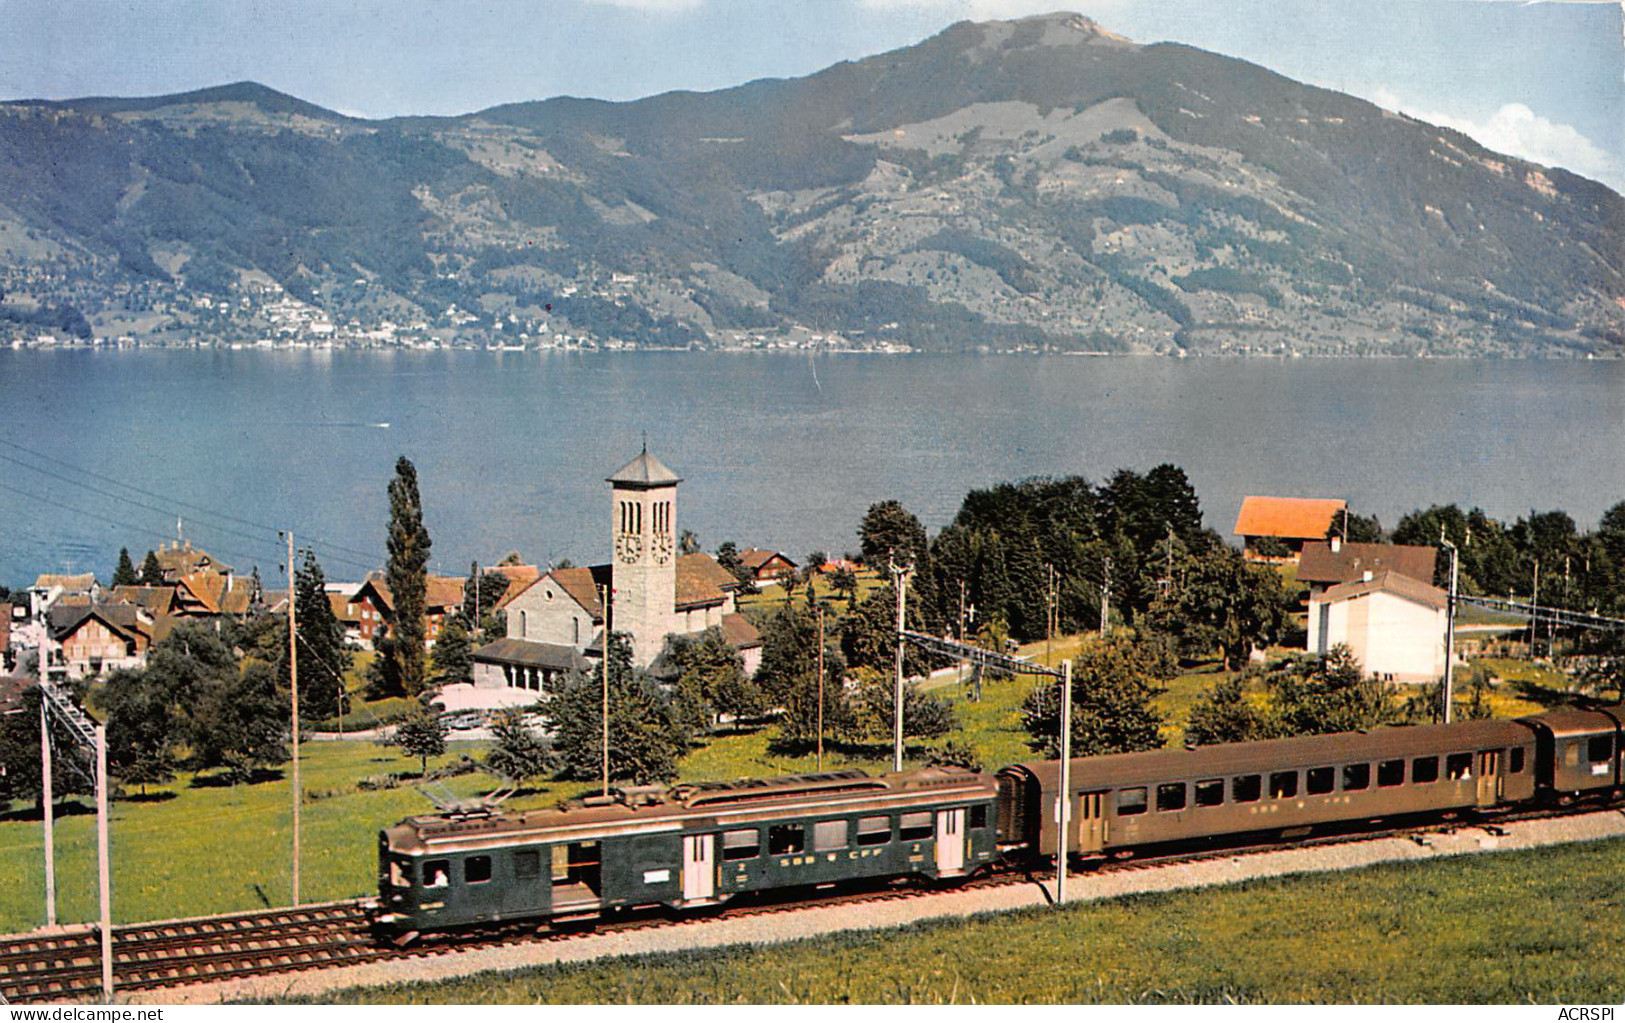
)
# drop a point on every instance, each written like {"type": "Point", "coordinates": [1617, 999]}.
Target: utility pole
{"type": "Point", "coordinates": [293, 685]}
{"type": "Point", "coordinates": [1063, 799]}
{"type": "Point", "coordinates": [959, 670]}
{"type": "Point", "coordinates": [900, 582]}
{"type": "Point", "coordinates": [104, 868]}
{"type": "Point", "coordinates": [1049, 615]}
{"type": "Point", "coordinates": [1105, 596]}
{"type": "Point", "coordinates": [603, 598]}
{"type": "Point", "coordinates": [49, 798]}
{"type": "Point", "coordinates": [820, 687]}
{"type": "Point", "coordinates": [1534, 611]}
{"type": "Point", "coordinates": [1449, 624]}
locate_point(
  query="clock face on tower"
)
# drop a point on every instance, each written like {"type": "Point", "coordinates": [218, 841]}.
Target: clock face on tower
{"type": "Point", "coordinates": [628, 547]}
{"type": "Point", "coordinates": [661, 547]}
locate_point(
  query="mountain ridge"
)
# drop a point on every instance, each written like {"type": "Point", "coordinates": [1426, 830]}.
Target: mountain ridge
{"type": "Point", "coordinates": [1036, 184]}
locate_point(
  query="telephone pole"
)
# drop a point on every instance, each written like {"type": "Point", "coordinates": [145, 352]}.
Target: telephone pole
{"type": "Point", "coordinates": [603, 598]}
{"type": "Point", "coordinates": [49, 798]}
{"type": "Point", "coordinates": [1063, 797]}
{"type": "Point", "coordinates": [900, 583]}
{"type": "Point", "coordinates": [293, 685]}
{"type": "Point", "coordinates": [1449, 625]}
{"type": "Point", "coordinates": [820, 687]}
{"type": "Point", "coordinates": [1105, 595]}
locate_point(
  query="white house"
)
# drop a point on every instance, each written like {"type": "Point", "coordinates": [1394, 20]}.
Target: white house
{"type": "Point", "coordinates": [1394, 624]}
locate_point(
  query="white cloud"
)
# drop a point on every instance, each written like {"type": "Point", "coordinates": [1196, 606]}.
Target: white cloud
{"type": "Point", "coordinates": [1518, 131]}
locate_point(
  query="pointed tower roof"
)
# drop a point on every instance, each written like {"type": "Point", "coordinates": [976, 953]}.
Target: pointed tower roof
{"type": "Point", "coordinates": [645, 471]}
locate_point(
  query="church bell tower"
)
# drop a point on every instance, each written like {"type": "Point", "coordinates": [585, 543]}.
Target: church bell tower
{"type": "Point", "coordinates": [644, 570]}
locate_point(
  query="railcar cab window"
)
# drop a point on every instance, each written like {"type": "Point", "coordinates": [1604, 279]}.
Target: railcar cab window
{"type": "Point", "coordinates": [1130, 802]}
{"type": "Point", "coordinates": [912, 827]}
{"type": "Point", "coordinates": [1210, 793]}
{"type": "Point", "coordinates": [1320, 780]}
{"type": "Point", "coordinates": [527, 865]}
{"type": "Point", "coordinates": [1390, 773]}
{"type": "Point", "coordinates": [874, 830]}
{"type": "Point", "coordinates": [1283, 784]}
{"type": "Point", "coordinates": [978, 816]}
{"type": "Point", "coordinates": [1424, 770]}
{"type": "Point", "coordinates": [436, 873]}
{"type": "Point", "coordinates": [741, 845]}
{"type": "Point", "coordinates": [1458, 766]}
{"type": "Point", "coordinates": [829, 835]}
{"type": "Point", "coordinates": [1246, 788]}
{"type": "Point", "coordinates": [399, 872]}
{"type": "Point", "coordinates": [1600, 748]}
{"type": "Point", "coordinates": [1171, 796]}
{"type": "Point", "coordinates": [1356, 777]}
{"type": "Point", "coordinates": [477, 870]}
{"type": "Point", "coordinates": [785, 839]}
{"type": "Point", "coordinates": [1516, 765]}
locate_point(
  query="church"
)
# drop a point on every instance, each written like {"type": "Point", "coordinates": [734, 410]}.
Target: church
{"type": "Point", "coordinates": [648, 591]}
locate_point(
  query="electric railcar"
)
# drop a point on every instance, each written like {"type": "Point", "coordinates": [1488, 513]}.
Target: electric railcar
{"type": "Point", "coordinates": [701, 844]}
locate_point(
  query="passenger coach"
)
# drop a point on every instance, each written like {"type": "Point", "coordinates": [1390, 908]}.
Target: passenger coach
{"type": "Point", "coordinates": [691, 845]}
{"type": "Point", "coordinates": [1280, 785]}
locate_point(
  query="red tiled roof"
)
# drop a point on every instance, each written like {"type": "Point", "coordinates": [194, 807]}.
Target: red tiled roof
{"type": "Point", "coordinates": [1292, 518]}
{"type": "Point", "coordinates": [1321, 564]}
{"type": "Point", "coordinates": [69, 583]}
{"type": "Point", "coordinates": [700, 580]}
{"type": "Point", "coordinates": [156, 600]}
{"type": "Point", "coordinates": [739, 632]}
{"type": "Point", "coordinates": [754, 558]}
{"type": "Point", "coordinates": [582, 585]}
{"type": "Point", "coordinates": [444, 591]}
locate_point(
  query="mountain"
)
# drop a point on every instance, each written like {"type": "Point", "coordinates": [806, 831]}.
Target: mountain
{"type": "Point", "coordinates": [1035, 184]}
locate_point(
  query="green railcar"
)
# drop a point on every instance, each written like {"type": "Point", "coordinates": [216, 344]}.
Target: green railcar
{"type": "Point", "coordinates": [687, 846]}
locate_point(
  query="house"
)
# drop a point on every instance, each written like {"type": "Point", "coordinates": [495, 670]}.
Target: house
{"type": "Point", "coordinates": [766, 566]}
{"type": "Point", "coordinates": [157, 601]}
{"type": "Point", "coordinates": [1328, 563]}
{"type": "Point", "coordinates": [558, 620]}
{"type": "Point", "coordinates": [1394, 624]}
{"type": "Point", "coordinates": [179, 560]}
{"type": "Point", "coordinates": [48, 590]}
{"type": "Point", "coordinates": [375, 605]}
{"type": "Point", "coordinates": [89, 641]}
{"type": "Point", "coordinates": [11, 693]}
{"type": "Point", "coordinates": [1274, 529]}
{"type": "Point", "coordinates": [348, 614]}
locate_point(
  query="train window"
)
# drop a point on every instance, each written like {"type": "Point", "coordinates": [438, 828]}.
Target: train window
{"type": "Point", "coordinates": [1246, 788]}
{"type": "Point", "coordinates": [1517, 761]}
{"type": "Point", "coordinates": [1283, 784]}
{"type": "Point", "coordinates": [912, 827]}
{"type": "Point", "coordinates": [1390, 773]}
{"type": "Point", "coordinates": [1320, 780]}
{"type": "Point", "coordinates": [784, 839]}
{"type": "Point", "coordinates": [874, 830]}
{"type": "Point", "coordinates": [436, 873]}
{"type": "Point", "coordinates": [1458, 766]}
{"type": "Point", "coordinates": [1130, 802]}
{"type": "Point", "coordinates": [1171, 796]}
{"type": "Point", "coordinates": [1600, 748]}
{"type": "Point", "coordinates": [741, 845]}
{"type": "Point", "coordinates": [1571, 753]}
{"type": "Point", "coordinates": [829, 835]}
{"type": "Point", "coordinates": [1356, 777]}
{"type": "Point", "coordinates": [1424, 770]}
{"type": "Point", "coordinates": [527, 865]}
{"type": "Point", "coordinates": [978, 816]}
{"type": "Point", "coordinates": [1210, 793]}
{"type": "Point", "coordinates": [477, 870]}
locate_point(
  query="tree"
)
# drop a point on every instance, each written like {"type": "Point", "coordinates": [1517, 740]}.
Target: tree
{"type": "Point", "coordinates": [1222, 604]}
{"type": "Point", "coordinates": [408, 577]}
{"type": "Point", "coordinates": [143, 729]}
{"type": "Point", "coordinates": [875, 713]}
{"type": "Point", "coordinates": [124, 574]}
{"type": "Point", "coordinates": [1332, 694]}
{"type": "Point", "coordinates": [1224, 714]}
{"type": "Point", "coordinates": [688, 542]}
{"type": "Point", "coordinates": [1352, 528]}
{"type": "Point", "coordinates": [241, 722]}
{"type": "Point", "coordinates": [1113, 684]}
{"type": "Point", "coordinates": [890, 531]}
{"type": "Point", "coordinates": [152, 573]}
{"type": "Point", "coordinates": [323, 659]}
{"type": "Point", "coordinates": [844, 582]}
{"type": "Point", "coordinates": [711, 681]}
{"type": "Point", "coordinates": [453, 653]}
{"type": "Point", "coordinates": [421, 735]}
{"type": "Point", "coordinates": [728, 558]}
{"type": "Point", "coordinates": [869, 634]}
{"type": "Point", "coordinates": [71, 766]}
{"type": "Point", "coordinates": [519, 753]}
{"type": "Point", "coordinates": [481, 593]}
{"type": "Point", "coordinates": [645, 738]}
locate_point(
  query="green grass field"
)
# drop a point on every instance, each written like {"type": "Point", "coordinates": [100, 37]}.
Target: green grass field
{"type": "Point", "coordinates": [1540, 926]}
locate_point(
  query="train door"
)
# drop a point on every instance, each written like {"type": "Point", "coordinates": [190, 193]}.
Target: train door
{"type": "Point", "coordinates": [699, 867]}
{"type": "Point", "coordinates": [1091, 822]}
{"type": "Point", "coordinates": [1490, 781]}
{"type": "Point", "coordinates": [951, 841]}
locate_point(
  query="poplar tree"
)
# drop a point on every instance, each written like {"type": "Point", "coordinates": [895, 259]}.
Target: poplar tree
{"type": "Point", "coordinates": [407, 574]}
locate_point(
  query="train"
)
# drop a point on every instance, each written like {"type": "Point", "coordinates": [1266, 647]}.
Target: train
{"type": "Point", "coordinates": [700, 844]}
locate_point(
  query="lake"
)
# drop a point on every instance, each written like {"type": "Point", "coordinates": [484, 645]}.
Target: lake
{"type": "Point", "coordinates": [107, 449]}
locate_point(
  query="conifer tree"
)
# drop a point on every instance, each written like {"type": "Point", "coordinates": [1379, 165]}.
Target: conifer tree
{"type": "Point", "coordinates": [152, 573]}
{"type": "Point", "coordinates": [407, 574]}
{"type": "Point", "coordinates": [323, 660]}
{"type": "Point", "coordinates": [124, 574]}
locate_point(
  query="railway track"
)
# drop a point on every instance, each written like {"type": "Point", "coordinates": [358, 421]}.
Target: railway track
{"type": "Point", "coordinates": [66, 965]}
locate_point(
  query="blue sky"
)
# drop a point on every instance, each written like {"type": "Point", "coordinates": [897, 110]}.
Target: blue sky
{"type": "Point", "coordinates": [1541, 80]}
